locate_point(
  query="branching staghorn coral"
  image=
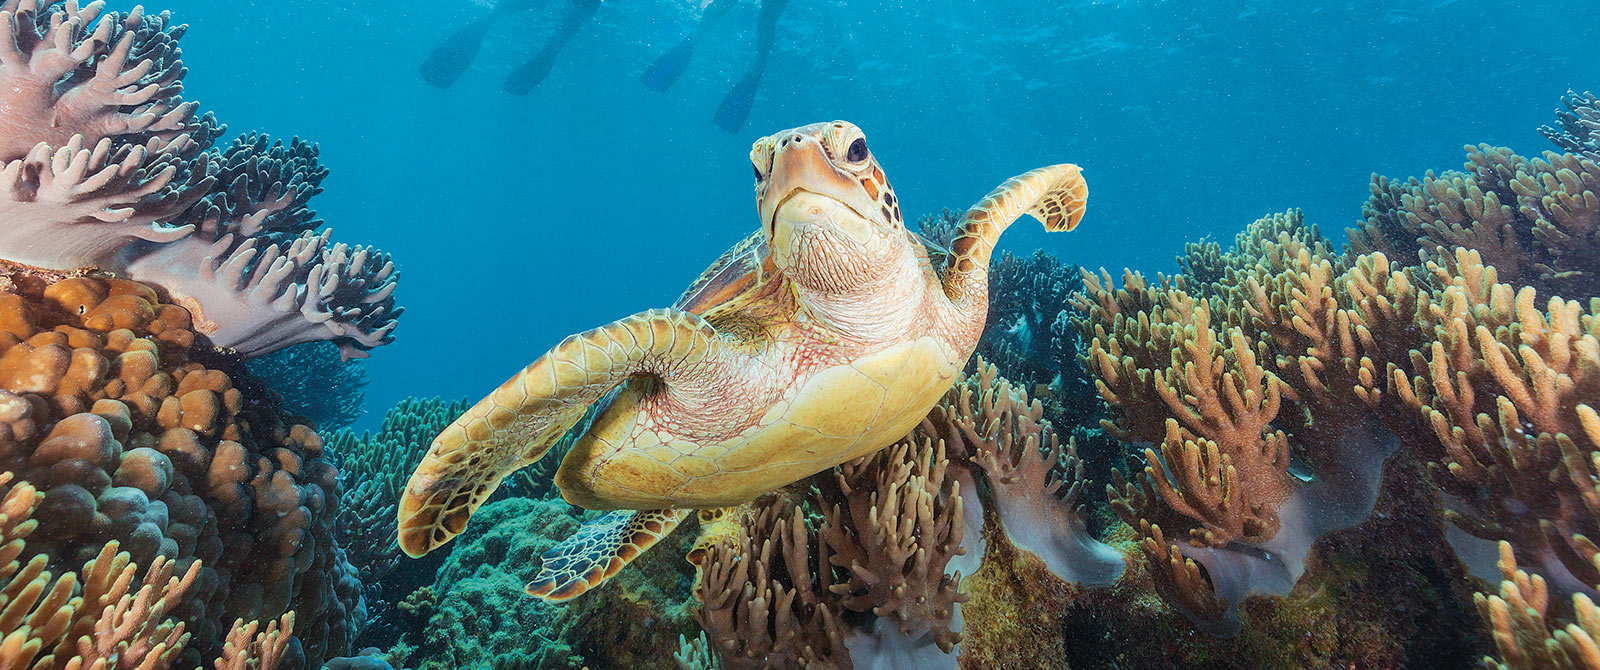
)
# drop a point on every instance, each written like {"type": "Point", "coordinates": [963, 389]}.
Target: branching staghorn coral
{"type": "Point", "coordinates": [1510, 392]}
{"type": "Point", "coordinates": [776, 593]}
{"type": "Point", "coordinates": [894, 522]}
{"type": "Point", "coordinates": [108, 618]}
{"type": "Point", "coordinates": [862, 566]}
{"type": "Point", "coordinates": [767, 601]}
{"type": "Point", "coordinates": [1033, 481]}
{"type": "Point", "coordinates": [1536, 221]}
{"type": "Point", "coordinates": [103, 165]}
{"type": "Point", "coordinates": [1519, 618]}
{"type": "Point", "coordinates": [1296, 369]}
{"type": "Point", "coordinates": [1577, 128]}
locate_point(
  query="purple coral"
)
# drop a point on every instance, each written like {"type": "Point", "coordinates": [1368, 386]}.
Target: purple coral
{"type": "Point", "coordinates": [64, 73]}
{"type": "Point", "coordinates": [104, 165]}
{"type": "Point", "coordinates": [266, 278]}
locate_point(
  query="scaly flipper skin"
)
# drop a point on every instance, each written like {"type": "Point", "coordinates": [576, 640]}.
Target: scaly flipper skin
{"type": "Point", "coordinates": [519, 421]}
{"type": "Point", "coordinates": [598, 550]}
{"type": "Point", "coordinates": [1054, 195]}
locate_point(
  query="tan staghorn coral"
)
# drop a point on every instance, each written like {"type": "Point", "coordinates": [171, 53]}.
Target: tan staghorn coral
{"type": "Point", "coordinates": [983, 481]}
{"type": "Point", "coordinates": [1537, 221]}
{"type": "Point", "coordinates": [247, 649]}
{"type": "Point", "coordinates": [110, 618]}
{"type": "Point", "coordinates": [1519, 618]}
{"type": "Point", "coordinates": [1509, 391]}
{"type": "Point", "coordinates": [1284, 355]}
{"type": "Point", "coordinates": [894, 523]}
{"type": "Point", "coordinates": [777, 590]}
{"type": "Point", "coordinates": [1220, 462]}
{"type": "Point", "coordinates": [766, 599]}
{"type": "Point", "coordinates": [1033, 481]}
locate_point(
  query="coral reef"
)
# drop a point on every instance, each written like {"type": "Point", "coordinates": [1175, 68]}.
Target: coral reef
{"type": "Point", "coordinates": [105, 166]}
{"type": "Point", "coordinates": [863, 566]}
{"type": "Point", "coordinates": [373, 468]}
{"type": "Point", "coordinates": [314, 382]}
{"type": "Point", "coordinates": [103, 619]}
{"type": "Point", "coordinates": [890, 524]}
{"type": "Point", "coordinates": [1030, 336]}
{"type": "Point", "coordinates": [1535, 221]}
{"type": "Point", "coordinates": [131, 436]}
{"type": "Point", "coordinates": [1191, 375]}
{"type": "Point", "coordinates": [1578, 127]}
{"type": "Point", "coordinates": [1517, 616]}
{"type": "Point", "coordinates": [480, 616]}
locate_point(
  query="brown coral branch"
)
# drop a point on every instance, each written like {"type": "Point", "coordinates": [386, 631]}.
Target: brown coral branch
{"type": "Point", "coordinates": [765, 604]}
{"type": "Point", "coordinates": [897, 523]}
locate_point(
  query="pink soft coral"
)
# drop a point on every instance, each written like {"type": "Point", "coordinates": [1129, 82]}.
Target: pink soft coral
{"type": "Point", "coordinates": [64, 73]}
{"type": "Point", "coordinates": [103, 165]}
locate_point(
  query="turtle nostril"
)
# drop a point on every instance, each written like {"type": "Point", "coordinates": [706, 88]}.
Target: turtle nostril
{"type": "Point", "coordinates": [797, 139]}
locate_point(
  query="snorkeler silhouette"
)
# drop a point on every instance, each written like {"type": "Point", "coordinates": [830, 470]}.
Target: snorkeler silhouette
{"type": "Point", "coordinates": [451, 57]}
{"type": "Point", "coordinates": [735, 107]}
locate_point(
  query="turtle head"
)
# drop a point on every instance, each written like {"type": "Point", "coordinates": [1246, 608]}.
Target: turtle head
{"type": "Point", "coordinates": [828, 213]}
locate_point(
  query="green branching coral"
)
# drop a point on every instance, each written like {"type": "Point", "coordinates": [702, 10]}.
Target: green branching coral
{"type": "Point", "coordinates": [481, 618]}
{"type": "Point", "coordinates": [374, 468]}
{"type": "Point", "coordinates": [389, 456]}
{"type": "Point", "coordinates": [315, 382]}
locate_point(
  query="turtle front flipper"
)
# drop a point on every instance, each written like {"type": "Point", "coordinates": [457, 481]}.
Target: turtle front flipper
{"type": "Point", "coordinates": [599, 550]}
{"type": "Point", "coordinates": [1054, 195]}
{"type": "Point", "coordinates": [517, 423]}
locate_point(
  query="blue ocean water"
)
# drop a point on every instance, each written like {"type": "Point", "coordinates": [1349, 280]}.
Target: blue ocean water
{"type": "Point", "coordinates": [517, 220]}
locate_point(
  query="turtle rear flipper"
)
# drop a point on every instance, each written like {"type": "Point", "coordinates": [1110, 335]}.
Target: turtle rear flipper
{"type": "Point", "coordinates": [519, 421]}
{"type": "Point", "coordinates": [598, 550]}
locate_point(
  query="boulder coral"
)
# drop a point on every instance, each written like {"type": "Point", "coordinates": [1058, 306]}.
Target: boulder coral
{"type": "Point", "coordinates": [103, 165]}
{"type": "Point", "coordinates": [106, 615]}
{"type": "Point", "coordinates": [131, 434]}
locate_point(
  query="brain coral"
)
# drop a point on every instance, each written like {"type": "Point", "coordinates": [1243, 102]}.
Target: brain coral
{"type": "Point", "coordinates": [112, 412]}
{"type": "Point", "coordinates": [104, 165]}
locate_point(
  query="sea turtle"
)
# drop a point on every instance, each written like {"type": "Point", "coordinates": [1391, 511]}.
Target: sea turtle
{"type": "Point", "coordinates": [822, 337]}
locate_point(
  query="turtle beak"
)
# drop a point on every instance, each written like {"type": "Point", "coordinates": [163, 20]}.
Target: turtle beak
{"type": "Point", "coordinates": [801, 165]}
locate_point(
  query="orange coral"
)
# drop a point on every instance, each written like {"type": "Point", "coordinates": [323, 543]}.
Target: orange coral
{"type": "Point", "coordinates": [107, 407]}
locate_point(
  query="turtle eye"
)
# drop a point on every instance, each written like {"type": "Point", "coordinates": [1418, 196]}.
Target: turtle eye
{"type": "Point", "coordinates": [857, 151]}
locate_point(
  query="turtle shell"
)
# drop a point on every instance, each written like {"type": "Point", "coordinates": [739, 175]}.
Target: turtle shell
{"type": "Point", "coordinates": [740, 269]}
